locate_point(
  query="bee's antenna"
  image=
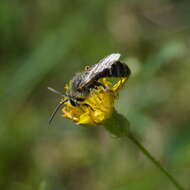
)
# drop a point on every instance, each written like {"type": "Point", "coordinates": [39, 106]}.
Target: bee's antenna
{"type": "Point", "coordinates": [56, 92]}
{"type": "Point", "coordinates": [56, 109]}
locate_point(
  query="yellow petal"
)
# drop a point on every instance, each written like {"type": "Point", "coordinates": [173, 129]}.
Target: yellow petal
{"type": "Point", "coordinates": [119, 84]}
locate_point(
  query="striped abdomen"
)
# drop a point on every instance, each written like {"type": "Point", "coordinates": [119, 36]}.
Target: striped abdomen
{"type": "Point", "coordinates": [117, 69]}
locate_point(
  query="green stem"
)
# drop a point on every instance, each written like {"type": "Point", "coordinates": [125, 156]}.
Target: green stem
{"type": "Point", "coordinates": [119, 126]}
{"type": "Point", "coordinates": [157, 163]}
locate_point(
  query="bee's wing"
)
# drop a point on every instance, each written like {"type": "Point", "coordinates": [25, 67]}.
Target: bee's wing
{"type": "Point", "coordinates": [99, 67]}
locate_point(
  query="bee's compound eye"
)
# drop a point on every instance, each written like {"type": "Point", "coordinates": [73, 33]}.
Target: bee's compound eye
{"type": "Point", "coordinates": [87, 68]}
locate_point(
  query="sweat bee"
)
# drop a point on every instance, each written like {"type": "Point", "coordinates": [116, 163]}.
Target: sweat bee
{"type": "Point", "coordinates": [83, 83]}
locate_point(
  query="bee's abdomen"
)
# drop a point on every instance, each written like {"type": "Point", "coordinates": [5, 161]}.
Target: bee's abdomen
{"type": "Point", "coordinates": [118, 69]}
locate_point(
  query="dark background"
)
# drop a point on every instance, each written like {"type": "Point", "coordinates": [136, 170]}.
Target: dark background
{"type": "Point", "coordinates": [44, 43]}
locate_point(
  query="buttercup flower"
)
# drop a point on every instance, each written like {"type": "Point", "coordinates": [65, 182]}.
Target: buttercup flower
{"type": "Point", "coordinates": [97, 107]}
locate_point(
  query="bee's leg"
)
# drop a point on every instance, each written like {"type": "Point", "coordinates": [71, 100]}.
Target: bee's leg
{"type": "Point", "coordinates": [101, 84]}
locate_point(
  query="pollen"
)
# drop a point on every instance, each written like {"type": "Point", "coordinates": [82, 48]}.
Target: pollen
{"type": "Point", "coordinates": [97, 107]}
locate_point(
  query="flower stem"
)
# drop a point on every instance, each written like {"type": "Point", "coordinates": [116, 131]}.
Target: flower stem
{"type": "Point", "coordinates": [119, 126]}
{"type": "Point", "coordinates": [157, 163]}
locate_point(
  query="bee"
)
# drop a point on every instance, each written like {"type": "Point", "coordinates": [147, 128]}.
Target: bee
{"type": "Point", "coordinates": [83, 83]}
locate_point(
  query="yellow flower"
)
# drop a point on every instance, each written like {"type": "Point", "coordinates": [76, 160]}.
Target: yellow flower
{"type": "Point", "coordinates": [97, 107]}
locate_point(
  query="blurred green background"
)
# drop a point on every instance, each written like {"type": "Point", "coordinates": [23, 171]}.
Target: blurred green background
{"type": "Point", "coordinates": [44, 43]}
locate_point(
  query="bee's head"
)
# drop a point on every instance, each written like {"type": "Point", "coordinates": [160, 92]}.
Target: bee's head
{"type": "Point", "coordinates": [73, 97]}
